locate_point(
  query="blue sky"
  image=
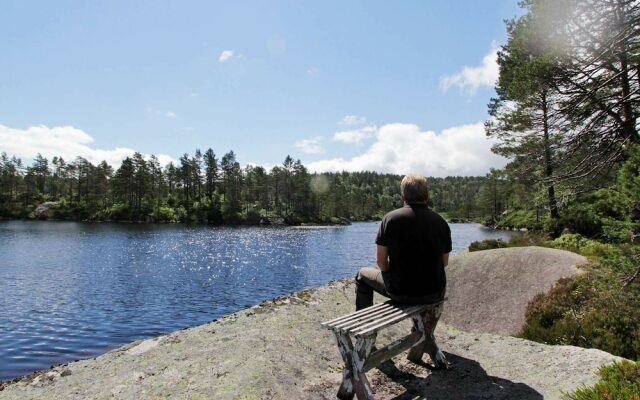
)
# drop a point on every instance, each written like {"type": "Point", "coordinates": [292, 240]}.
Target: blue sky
{"type": "Point", "coordinates": [390, 86]}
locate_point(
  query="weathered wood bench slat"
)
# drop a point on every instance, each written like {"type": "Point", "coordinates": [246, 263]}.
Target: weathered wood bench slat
{"type": "Point", "coordinates": [356, 314]}
{"type": "Point", "coordinates": [366, 315]}
{"type": "Point", "coordinates": [356, 323]}
{"type": "Point", "coordinates": [390, 320]}
{"type": "Point", "coordinates": [377, 317]}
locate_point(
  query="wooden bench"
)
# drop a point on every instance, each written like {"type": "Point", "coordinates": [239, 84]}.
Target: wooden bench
{"type": "Point", "coordinates": [356, 335]}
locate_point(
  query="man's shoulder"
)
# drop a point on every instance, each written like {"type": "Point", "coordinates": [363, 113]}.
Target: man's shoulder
{"type": "Point", "coordinates": [409, 212]}
{"type": "Point", "coordinates": [406, 216]}
{"type": "Point", "coordinates": [397, 211]}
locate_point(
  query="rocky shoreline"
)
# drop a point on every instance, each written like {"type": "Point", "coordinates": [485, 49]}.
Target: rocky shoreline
{"type": "Point", "coordinates": [262, 222]}
{"type": "Point", "coordinates": [277, 350]}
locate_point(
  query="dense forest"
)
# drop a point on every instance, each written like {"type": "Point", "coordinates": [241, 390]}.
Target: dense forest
{"type": "Point", "coordinates": [204, 188]}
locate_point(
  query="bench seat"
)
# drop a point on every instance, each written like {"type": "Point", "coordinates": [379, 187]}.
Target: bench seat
{"type": "Point", "coordinates": [356, 335]}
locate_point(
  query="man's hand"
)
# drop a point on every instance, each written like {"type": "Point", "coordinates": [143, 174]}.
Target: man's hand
{"type": "Point", "coordinates": [382, 258]}
{"type": "Point", "coordinates": [445, 259]}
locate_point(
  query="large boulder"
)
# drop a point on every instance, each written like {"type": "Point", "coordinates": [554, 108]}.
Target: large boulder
{"type": "Point", "coordinates": [489, 290]}
{"type": "Point", "coordinates": [45, 210]}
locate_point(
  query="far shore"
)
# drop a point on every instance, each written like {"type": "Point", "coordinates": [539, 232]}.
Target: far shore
{"type": "Point", "coordinates": [344, 222]}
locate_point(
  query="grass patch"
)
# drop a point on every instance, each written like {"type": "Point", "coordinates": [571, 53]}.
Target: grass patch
{"type": "Point", "coordinates": [617, 381]}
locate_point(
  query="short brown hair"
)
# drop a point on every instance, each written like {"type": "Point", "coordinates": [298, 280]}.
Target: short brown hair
{"type": "Point", "coordinates": [414, 189]}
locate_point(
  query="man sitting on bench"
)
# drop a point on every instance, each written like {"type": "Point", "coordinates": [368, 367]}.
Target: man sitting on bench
{"type": "Point", "coordinates": [413, 246]}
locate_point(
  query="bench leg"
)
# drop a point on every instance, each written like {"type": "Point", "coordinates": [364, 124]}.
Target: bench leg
{"type": "Point", "coordinates": [347, 389]}
{"type": "Point", "coordinates": [360, 354]}
{"type": "Point", "coordinates": [354, 380]}
{"type": "Point", "coordinates": [426, 323]}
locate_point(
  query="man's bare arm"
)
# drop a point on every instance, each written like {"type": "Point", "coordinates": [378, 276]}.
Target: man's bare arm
{"type": "Point", "coordinates": [445, 259]}
{"type": "Point", "coordinates": [382, 258]}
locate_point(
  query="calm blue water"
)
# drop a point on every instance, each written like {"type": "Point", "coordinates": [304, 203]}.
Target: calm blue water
{"type": "Point", "coordinates": [75, 290]}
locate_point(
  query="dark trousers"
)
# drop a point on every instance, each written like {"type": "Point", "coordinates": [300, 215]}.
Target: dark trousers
{"type": "Point", "coordinates": [370, 279]}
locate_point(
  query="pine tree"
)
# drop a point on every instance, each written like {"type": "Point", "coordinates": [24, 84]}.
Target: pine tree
{"type": "Point", "coordinates": [523, 117]}
{"type": "Point", "coordinates": [211, 172]}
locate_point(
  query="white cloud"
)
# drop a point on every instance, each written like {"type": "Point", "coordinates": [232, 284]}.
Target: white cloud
{"type": "Point", "coordinates": [63, 141]}
{"type": "Point", "coordinates": [355, 135]}
{"type": "Point", "coordinates": [471, 78]}
{"type": "Point", "coordinates": [352, 120]}
{"type": "Point", "coordinates": [311, 146]}
{"type": "Point", "coordinates": [405, 148]}
{"type": "Point", "coordinates": [313, 72]}
{"type": "Point", "coordinates": [225, 56]}
{"type": "Point", "coordinates": [160, 113]}
{"type": "Point", "coordinates": [163, 159]}
{"type": "Point", "coordinates": [266, 166]}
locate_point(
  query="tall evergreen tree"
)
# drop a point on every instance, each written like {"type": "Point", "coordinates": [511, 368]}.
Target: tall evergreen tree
{"type": "Point", "coordinates": [523, 116]}
{"type": "Point", "coordinates": [232, 179]}
{"type": "Point", "coordinates": [211, 172]}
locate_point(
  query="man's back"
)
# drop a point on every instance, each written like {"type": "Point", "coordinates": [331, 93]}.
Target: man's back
{"type": "Point", "coordinates": [412, 249]}
{"type": "Point", "coordinates": [416, 238]}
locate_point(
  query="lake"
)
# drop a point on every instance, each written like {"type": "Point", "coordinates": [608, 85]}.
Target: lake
{"type": "Point", "coordinates": [75, 290]}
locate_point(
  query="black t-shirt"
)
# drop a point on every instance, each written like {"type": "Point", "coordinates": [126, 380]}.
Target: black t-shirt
{"type": "Point", "coordinates": [416, 238]}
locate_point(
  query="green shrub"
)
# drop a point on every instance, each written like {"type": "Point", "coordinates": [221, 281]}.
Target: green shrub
{"type": "Point", "coordinates": [487, 245]}
{"type": "Point", "coordinates": [116, 212]}
{"type": "Point", "coordinates": [582, 218]}
{"type": "Point", "coordinates": [589, 310]}
{"type": "Point", "coordinates": [180, 214]}
{"type": "Point", "coordinates": [231, 217]}
{"type": "Point", "coordinates": [581, 245]}
{"type": "Point", "coordinates": [622, 260]}
{"type": "Point", "coordinates": [292, 219]}
{"type": "Point", "coordinates": [609, 203]}
{"type": "Point", "coordinates": [520, 219]}
{"type": "Point", "coordinates": [617, 381]}
{"type": "Point", "coordinates": [61, 210]}
{"type": "Point", "coordinates": [206, 210]}
{"type": "Point", "coordinates": [614, 231]}
{"type": "Point", "coordinates": [528, 239]}
{"type": "Point", "coordinates": [252, 217]}
{"type": "Point", "coordinates": [553, 318]}
{"type": "Point", "coordinates": [612, 323]}
{"type": "Point", "coordinates": [166, 214]}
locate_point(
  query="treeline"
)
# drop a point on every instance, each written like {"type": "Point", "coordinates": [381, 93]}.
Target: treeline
{"type": "Point", "coordinates": [205, 188]}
